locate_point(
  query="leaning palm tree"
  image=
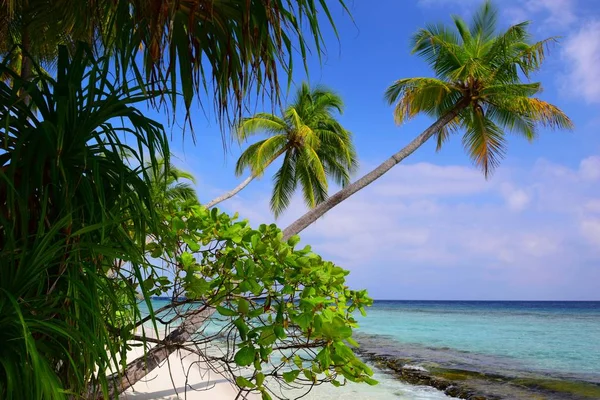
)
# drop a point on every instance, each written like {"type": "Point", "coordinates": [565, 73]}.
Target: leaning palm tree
{"type": "Point", "coordinates": [478, 90]}
{"type": "Point", "coordinates": [314, 146]}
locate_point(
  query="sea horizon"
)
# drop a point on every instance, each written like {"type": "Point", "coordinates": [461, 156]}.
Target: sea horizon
{"type": "Point", "coordinates": [550, 345]}
{"type": "Point", "coordinates": [430, 300]}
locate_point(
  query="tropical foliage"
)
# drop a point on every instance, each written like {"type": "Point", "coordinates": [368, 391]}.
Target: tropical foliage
{"type": "Point", "coordinates": [478, 89]}
{"type": "Point", "coordinates": [479, 72]}
{"type": "Point", "coordinates": [285, 314]}
{"type": "Point", "coordinates": [83, 232]}
{"type": "Point", "coordinates": [187, 47]}
{"type": "Point", "coordinates": [72, 209]}
{"type": "Point", "coordinates": [314, 145]}
{"type": "Point", "coordinates": [166, 184]}
{"type": "Point", "coordinates": [93, 215]}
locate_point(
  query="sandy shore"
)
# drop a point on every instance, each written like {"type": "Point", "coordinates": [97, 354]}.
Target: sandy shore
{"type": "Point", "coordinates": [183, 376]}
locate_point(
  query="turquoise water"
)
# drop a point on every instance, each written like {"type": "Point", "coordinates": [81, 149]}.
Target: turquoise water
{"type": "Point", "coordinates": [514, 339]}
{"type": "Point", "coordinates": [554, 338]}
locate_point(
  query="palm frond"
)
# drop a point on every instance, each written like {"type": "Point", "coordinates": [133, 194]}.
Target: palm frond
{"type": "Point", "coordinates": [539, 111]}
{"type": "Point", "coordinates": [284, 185]}
{"type": "Point", "coordinates": [226, 49]}
{"type": "Point", "coordinates": [71, 206]}
{"type": "Point", "coordinates": [463, 29]}
{"type": "Point", "coordinates": [483, 141]}
{"type": "Point", "coordinates": [415, 95]}
{"type": "Point", "coordinates": [261, 122]}
{"type": "Point", "coordinates": [484, 22]}
{"type": "Point", "coordinates": [440, 47]}
{"type": "Point", "coordinates": [314, 143]}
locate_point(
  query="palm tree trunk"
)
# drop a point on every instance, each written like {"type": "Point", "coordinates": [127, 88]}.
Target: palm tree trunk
{"type": "Point", "coordinates": [245, 183]}
{"type": "Point", "coordinates": [142, 366]}
{"type": "Point", "coordinates": [231, 193]}
{"type": "Point", "coordinates": [311, 216]}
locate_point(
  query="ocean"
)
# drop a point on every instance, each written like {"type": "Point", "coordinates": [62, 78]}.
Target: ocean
{"type": "Point", "coordinates": [515, 349]}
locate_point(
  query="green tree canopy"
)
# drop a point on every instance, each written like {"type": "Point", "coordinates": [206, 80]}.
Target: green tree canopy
{"type": "Point", "coordinates": [314, 145]}
{"type": "Point", "coordinates": [481, 88]}
{"type": "Point", "coordinates": [479, 72]}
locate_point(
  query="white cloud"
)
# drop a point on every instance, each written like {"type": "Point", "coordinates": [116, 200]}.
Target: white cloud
{"type": "Point", "coordinates": [516, 199]}
{"type": "Point", "coordinates": [590, 229]}
{"type": "Point", "coordinates": [592, 206]}
{"type": "Point", "coordinates": [589, 168]}
{"type": "Point", "coordinates": [556, 13]}
{"type": "Point", "coordinates": [559, 13]}
{"type": "Point", "coordinates": [425, 179]}
{"type": "Point", "coordinates": [581, 53]}
{"type": "Point", "coordinates": [458, 236]}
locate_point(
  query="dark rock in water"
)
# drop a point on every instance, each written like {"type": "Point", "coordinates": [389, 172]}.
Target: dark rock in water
{"type": "Point", "coordinates": [452, 390]}
{"type": "Point", "coordinates": [420, 376]}
{"type": "Point", "coordinates": [455, 375]}
{"type": "Point", "coordinates": [472, 385]}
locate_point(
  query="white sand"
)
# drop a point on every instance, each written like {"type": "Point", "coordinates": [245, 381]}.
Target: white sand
{"type": "Point", "coordinates": [182, 377]}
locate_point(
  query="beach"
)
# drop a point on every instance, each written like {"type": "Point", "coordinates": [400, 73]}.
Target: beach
{"type": "Point", "coordinates": [495, 350]}
{"type": "Point", "coordinates": [183, 376]}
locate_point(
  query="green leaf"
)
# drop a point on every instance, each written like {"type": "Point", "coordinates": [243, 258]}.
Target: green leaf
{"type": "Point", "coordinates": [265, 395]}
{"type": "Point", "coordinates": [244, 356]}
{"type": "Point", "coordinates": [291, 376]}
{"type": "Point", "coordinates": [187, 259]}
{"type": "Point", "coordinates": [303, 320]}
{"type": "Point", "coordinates": [298, 361]}
{"type": "Point", "coordinates": [324, 357]}
{"type": "Point", "coordinates": [255, 239]}
{"type": "Point", "coordinates": [280, 332]}
{"type": "Point", "coordinates": [294, 240]}
{"type": "Point", "coordinates": [197, 286]}
{"type": "Point", "coordinates": [148, 283]}
{"type": "Point", "coordinates": [260, 378]}
{"type": "Point", "coordinates": [226, 312]}
{"type": "Point", "coordinates": [178, 223]}
{"type": "Point", "coordinates": [244, 383]}
{"type": "Point", "coordinates": [267, 336]}
{"type": "Point", "coordinates": [242, 328]}
{"type": "Point", "coordinates": [369, 381]}
{"type": "Point", "coordinates": [352, 341]}
{"type": "Point", "coordinates": [309, 375]}
{"type": "Point", "coordinates": [191, 244]}
{"type": "Point", "coordinates": [243, 306]}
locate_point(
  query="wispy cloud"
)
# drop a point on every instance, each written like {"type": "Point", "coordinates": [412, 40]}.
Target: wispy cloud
{"type": "Point", "coordinates": [555, 13]}
{"type": "Point", "coordinates": [519, 235]}
{"type": "Point", "coordinates": [581, 54]}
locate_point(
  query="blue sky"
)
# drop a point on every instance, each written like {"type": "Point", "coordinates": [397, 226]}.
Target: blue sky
{"type": "Point", "coordinates": [433, 227]}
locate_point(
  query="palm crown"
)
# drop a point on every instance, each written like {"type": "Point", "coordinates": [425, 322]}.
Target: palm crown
{"type": "Point", "coordinates": [166, 184]}
{"type": "Point", "coordinates": [479, 73]}
{"type": "Point", "coordinates": [314, 144]}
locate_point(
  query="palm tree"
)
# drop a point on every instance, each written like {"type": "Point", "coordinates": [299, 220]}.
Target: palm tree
{"type": "Point", "coordinates": [313, 144]}
{"type": "Point", "coordinates": [166, 185]}
{"type": "Point", "coordinates": [243, 41]}
{"type": "Point", "coordinates": [477, 90]}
